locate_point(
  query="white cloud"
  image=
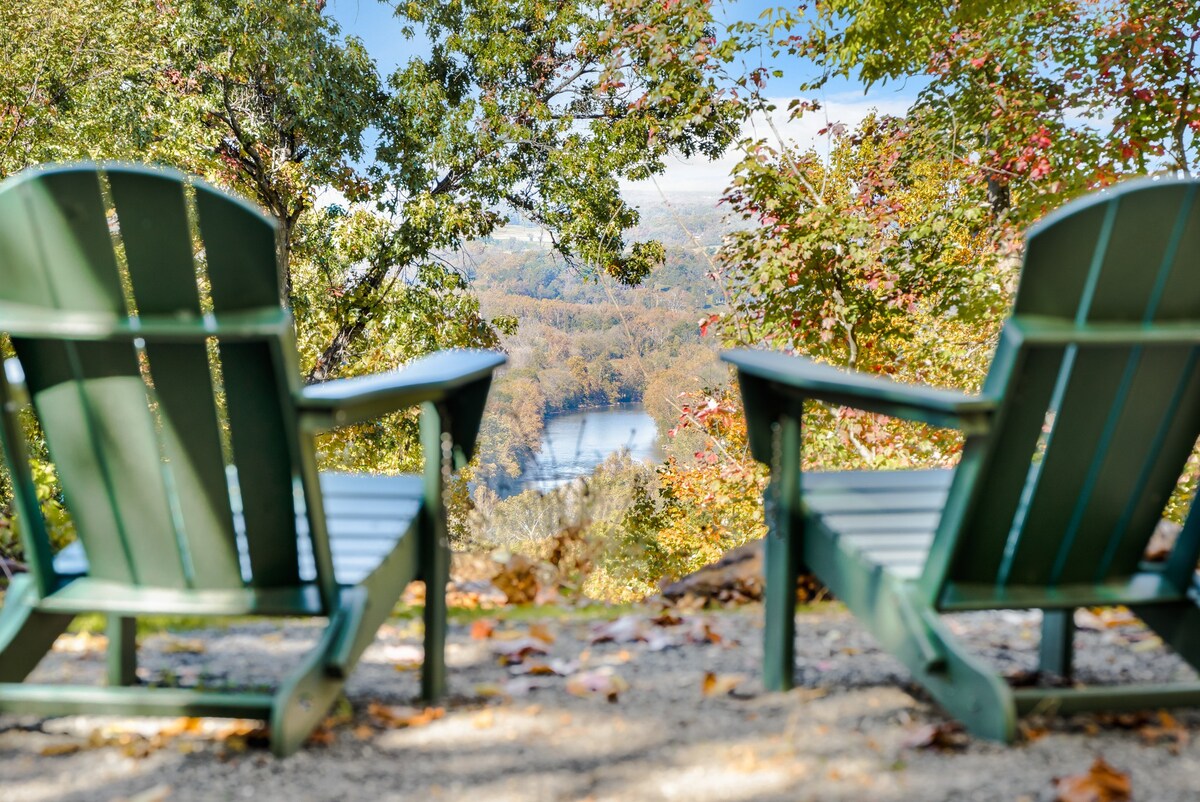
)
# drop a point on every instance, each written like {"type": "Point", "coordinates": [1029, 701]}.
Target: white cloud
{"type": "Point", "coordinates": [702, 178]}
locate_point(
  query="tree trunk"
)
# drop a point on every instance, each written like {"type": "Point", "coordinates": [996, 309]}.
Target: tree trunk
{"type": "Point", "coordinates": [998, 196]}
{"type": "Point", "coordinates": [335, 352]}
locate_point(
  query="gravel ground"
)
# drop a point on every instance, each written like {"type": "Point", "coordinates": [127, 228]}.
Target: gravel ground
{"type": "Point", "coordinates": [855, 729]}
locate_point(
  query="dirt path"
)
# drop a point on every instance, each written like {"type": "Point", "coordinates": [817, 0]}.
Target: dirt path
{"type": "Point", "coordinates": [680, 716]}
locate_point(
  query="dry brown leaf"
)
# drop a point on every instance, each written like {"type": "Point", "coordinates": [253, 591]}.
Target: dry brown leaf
{"type": "Point", "coordinates": [702, 632]}
{"type": "Point", "coordinates": [1101, 783]}
{"type": "Point", "coordinates": [626, 629]}
{"type": "Point", "coordinates": [482, 628]}
{"type": "Point", "coordinates": [364, 732]}
{"type": "Point", "coordinates": [1030, 732]}
{"type": "Point", "coordinates": [63, 748]}
{"type": "Point", "coordinates": [321, 736]}
{"type": "Point", "coordinates": [486, 690]}
{"type": "Point", "coordinates": [720, 684]}
{"type": "Point", "coordinates": [946, 735]}
{"type": "Point", "coordinates": [399, 716]}
{"type": "Point", "coordinates": [182, 646]}
{"type": "Point", "coordinates": [80, 642]}
{"type": "Point", "coordinates": [541, 632]}
{"type": "Point", "coordinates": [516, 651]}
{"type": "Point", "coordinates": [1168, 731]}
{"type": "Point", "coordinates": [601, 682]}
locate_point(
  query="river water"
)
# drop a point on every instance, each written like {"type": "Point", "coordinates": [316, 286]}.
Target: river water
{"type": "Point", "coordinates": [574, 443]}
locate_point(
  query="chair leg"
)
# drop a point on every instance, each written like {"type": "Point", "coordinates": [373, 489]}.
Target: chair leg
{"type": "Point", "coordinates": [122, 650]}
{"type": "Point", "coordinates": [304, 699]}
{"type": "Point", "coordinates": [1058, 642]}
{"type": "Point", "coordinates": [779, 631]}
{"type": "Point", "coordinates": [436, 570]}
{"type": "Point", "coordinates": [26, 634]}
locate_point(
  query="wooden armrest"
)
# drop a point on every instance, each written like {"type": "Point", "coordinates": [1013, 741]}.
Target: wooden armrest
{"type": "Point", "coordinates": [20, 320]}
{"type": "Point", "coordinates": [802, 379]}
{"type": "Point", "coordinates": [436, 377]}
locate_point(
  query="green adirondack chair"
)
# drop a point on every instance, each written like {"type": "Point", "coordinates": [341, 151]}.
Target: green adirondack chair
{"type": "Point", "coordinates": [1087, 416]}
{"type": "Point", "coordinates": [138, 356]}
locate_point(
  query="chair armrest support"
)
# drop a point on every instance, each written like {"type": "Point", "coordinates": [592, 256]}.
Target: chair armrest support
{"type": "Point", "coordinates": [774, 384]}
{"type": "Point", "coordinates": [438, 378]}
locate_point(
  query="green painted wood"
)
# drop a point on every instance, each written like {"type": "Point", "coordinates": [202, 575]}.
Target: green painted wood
{"type": "Point", "coordinates": [90, 396]}
{"type": "Point", "coordinates": [995, 497]}
{"type": "Point", "coordinates": [1144, 588]}
{"type": "Point", "coordinates": [121, 655]}
{"type": "Point", "coordinates": [1087, 416]}
{"type": "Point", "coordinates": [243, 271]}
{"type": "Point", "coordinates": [434, 550]}
{"type": "Point", "coordinates": [1057, 648]}
{"type": "Point", "coordinates": [1113, 698]}
{"type": "Point", "coordinates": [444, 377]}
{"type": "Point", "coordinates": [160, 516]}
{"type": "Point", "coordinates": [34, 538]}
{"type": "Point", "coordinates": [155, 231]}
{"type": "Point", "coordinates": [26, 632]}
{"type": "Point", "coordinates": [1143, 252]}
{"type": "Point", "coordinates": [1148, 444]}
{"type": "Point", "coordinates": [262, 452]}
{"type": "Point", "coordinates": [782, 557]}
{"type": "Point", "coordinates": [240, 252]}
{"type": "Point", "coordinates": [1064, 471]}
{"type": "Point", "coordinates": [58, 700]}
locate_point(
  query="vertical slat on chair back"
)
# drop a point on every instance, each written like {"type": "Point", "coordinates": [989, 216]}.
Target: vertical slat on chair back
{"type": "Point", "coordinates": [1091, 439]}
{"type": "Point", "coordinates": [140, 456]}
{"type": "Point", "coordinates": [239, 246]}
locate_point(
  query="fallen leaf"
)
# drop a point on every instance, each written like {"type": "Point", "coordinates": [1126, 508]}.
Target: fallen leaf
{"type": "Point", "coordinates": [702, 632]}
{"type": "Point", "coordinates": [482, 628]}
{"type": "Point", "coordinates": [364, 732]}
{"type": "Point", "coordinates": [947, 735]}
{"type": "Point", "coordinates": [523, 686]}
{"type": "Point", "coordinates": [541, 632]}
{"type": "Point", "coordinates": [321, 736]}
{"type": "Point", "coordinates": [486, 690]}
{"type": "Point", "coordinates": [64, 748]}
{"type": "Point", "coordinates": [516, 651]}
{"type": "Point", "coordinates": [399, 716]}
{"type": "Point", "coordinates": [1167, 730]}
{"type": "Point", "coordinates": [720, 685]}
{"type": "Point", "coordinates": [180, 726]}
{"type": "Point", "coordinates": [181, 646]}
{"type": "Point", "coordinates": [1102, 783]}
{"type": "Point", "coordinates": [80, 642]}
{"type": "Point", "coordinates": [601, 682]}
{"type": "Point", "coordinates": [554, 668]}
{"type": "Point", "coordinates": [626, 629]}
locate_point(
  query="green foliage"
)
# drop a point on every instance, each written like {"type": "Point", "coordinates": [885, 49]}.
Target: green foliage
{"type": "Point", "coordinates": [1044, 99]}
{"type": "Point", "coordinates": [693, 511]}
{"type": "Point", "coordinates": [845, 253]}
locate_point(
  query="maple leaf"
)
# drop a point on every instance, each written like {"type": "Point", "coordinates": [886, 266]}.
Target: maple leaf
{"type": "Point", "coordinates": [1101, 783]}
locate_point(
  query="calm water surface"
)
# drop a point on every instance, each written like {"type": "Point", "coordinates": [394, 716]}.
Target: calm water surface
{"type": "Point", "coordinates": [574, 443]}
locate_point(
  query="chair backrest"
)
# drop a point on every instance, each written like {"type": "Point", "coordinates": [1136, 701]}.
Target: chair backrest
{"type": "Point", "coordinates": [1099, 372]}
{"type": "Point", "coordinates": [134, 427]}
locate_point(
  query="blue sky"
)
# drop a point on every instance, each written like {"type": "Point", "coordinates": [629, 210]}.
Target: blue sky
{"type": "Point", "coordinates": [843, 101]}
